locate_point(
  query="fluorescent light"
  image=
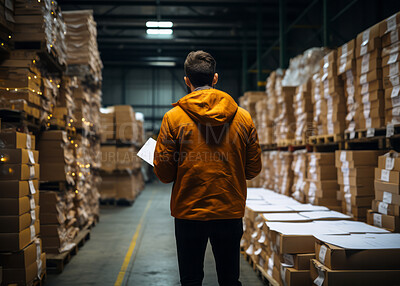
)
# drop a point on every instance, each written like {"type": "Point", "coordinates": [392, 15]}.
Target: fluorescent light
{"type": "Point", "coordinates": [162, 64]}
{"type": "Point", "coordinates": [159, 31]}
{"type": "Point", "coordinates": [159, 24]}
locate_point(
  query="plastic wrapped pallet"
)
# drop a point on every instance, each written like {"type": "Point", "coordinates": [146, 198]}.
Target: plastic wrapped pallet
{"type": "Point", "coordinates": [386, 206]}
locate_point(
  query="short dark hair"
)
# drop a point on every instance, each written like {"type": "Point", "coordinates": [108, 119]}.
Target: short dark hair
{"type": "Point", "coordinates": [200, 68]}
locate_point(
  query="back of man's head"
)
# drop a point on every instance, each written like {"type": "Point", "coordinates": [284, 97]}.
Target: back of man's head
{"type": "Point", "coordinates": [200, 68]}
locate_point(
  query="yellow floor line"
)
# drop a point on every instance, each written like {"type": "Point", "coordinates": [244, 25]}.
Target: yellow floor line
{"type": "Point", "coordinates": [128, 255]}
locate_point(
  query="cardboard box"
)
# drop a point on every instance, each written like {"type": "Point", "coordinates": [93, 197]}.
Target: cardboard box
{"type": "Point", "coordinates": [18, 156]}
{"type": "Point", "coordinates": [387, 187]}
{"type": "Point", "coordinates": [24, 276]}
{"type": "Point", "coordinates": [367, 41]}
{"type": "Point", "coordinates": [371, 76]}
{"type": "Point", "coordinates": [328, 277]}
{"type": "Point", "coordinates": [18, 241]}
{"type": "Point", "coordinates": [300, 261]}
{"type": "Point", "coordinates": [127, 159]}
{"type": "Point", "coordinates": [126, 188]}
{"type": "Point", "coordinates": [388, 222]}
{"type": "Point", "coordinates": [21, 259]}
{"type": "Point", "coordinates": [19, 172]}
{"type": "Point", "coordinates": [389, 24]}
{"type": "Point", "coordinates": [293, 243]}
{"type": "Point", "coordinates": [13, 140]}
{"type": "Point", "coordinates": [361, 172]}
{"type": "Point", "coordinates": [18, 206]}
{"type": "Point", "coordinates": [18, 189]}
{"type": "Point", "coordinates": [108, 187]}
{"type": "Point", "coordinates": [385, 208]}
{"type": "Point", "coordinates": [387, 197]}
{"type": "Point", "coordinates": [338, 258]}
{"type": "Point", "coordinates": [367, 190]}
{"type": "Point", "coordinates": [389, 161]}
{"type": "Point", "coordinates": [356, 181]}
{"type": "Point", "coordinates": [54, 135]}
{"type": "Point", "coordinates": [296, 277]}
{"type": "Point", "coordinates": [108, 158]}
{"type": "Point", "coordinates": [359, 158]}
{"type": "Point", "coordinates": [387, 176]}
{"type": "Point", "coordinates": [369, 62]}
{"type": "Point", "coordinates": [391, 38]}
{"type": "Point", "coordinates": [322, 173]}
{"type": "Point", "coordinates": [17, 223]}
{"type": "Point", "coordinates": [55, 172]}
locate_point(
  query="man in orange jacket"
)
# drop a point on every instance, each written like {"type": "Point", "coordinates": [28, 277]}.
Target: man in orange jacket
{"type": "Point", "coordinates": [207, 146]}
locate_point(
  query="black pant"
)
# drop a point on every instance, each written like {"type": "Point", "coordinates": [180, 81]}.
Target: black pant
{"type": "Point", "coordinates": [191, 240]}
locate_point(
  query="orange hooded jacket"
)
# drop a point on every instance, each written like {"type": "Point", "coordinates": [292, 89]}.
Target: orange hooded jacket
{"type": "Point", "coordinates": [207, 146]}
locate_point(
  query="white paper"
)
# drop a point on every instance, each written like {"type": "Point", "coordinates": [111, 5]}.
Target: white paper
{"type": "Point", "coordinates": [324, 215]}
{"type": "Point", "coordinates": [147, 151]}
{"type": "Point", "coordinates": [285, 217]}
{"type": "Point", "coordinates": [363, 241]}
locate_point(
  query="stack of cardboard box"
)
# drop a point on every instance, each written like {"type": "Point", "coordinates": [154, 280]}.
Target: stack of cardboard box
{"type": "Point", "coordinates": [107, 122]}
{"type": "Point", "coordinates": [333, 121]}
{"type": "Point", "coordinates": [319, 105]}
{"type": "Point", "coordinates": [355, 171]}
{"type": "Point", "coordinates": [63, 112]}
{"type": "Point", "coordinates": [284, 179]}
{"type": "Point", "coordinates": [299, 168]}
{"type": "Point", "coordinates": [386, 206]}
{"type": "Point", "coordinates": [58, 215]}
{"type": "Point", "coordinates": [354, 260]}
{"type": "Point", "coordinates": [322, 185]}
{"type": "Point", "coordinates": [263, 126]}
{"type": "Point", "coordinates": [7, 21]}
{"type": "Point", "coordinates": [126, 127]}
{"type": "Point", "coordinates": [346, 70]}
{"type": "Point", "coordinates": [271, 106]}
{"type": "Point", "coordinates": [303, 111]}
{"type": "Point", "coordinates": [21, 254]}
{"type": "Point", "coordinates": [369, 75]}
{"type": "Point", "coordinates": [285, 121]}
{"type": "Point", "coordinates": [390, 33]}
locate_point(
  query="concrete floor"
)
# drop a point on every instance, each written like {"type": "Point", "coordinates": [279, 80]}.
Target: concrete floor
{"type": "Point", "coordinates": [154, 259]}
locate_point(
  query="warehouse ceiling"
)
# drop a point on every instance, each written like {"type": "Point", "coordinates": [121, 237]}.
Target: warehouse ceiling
{"type": "Point", "coordinates": [218, 27]}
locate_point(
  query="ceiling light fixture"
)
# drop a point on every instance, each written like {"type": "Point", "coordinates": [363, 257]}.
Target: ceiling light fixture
{"type": "Point", "coordinates": [159, 24]}
{"type": "Point", "coordinates": [159, 31]}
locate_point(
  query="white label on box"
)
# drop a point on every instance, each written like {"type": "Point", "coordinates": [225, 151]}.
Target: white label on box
{"type": "Point", "coordinates": [257, 252]}
{"type": "Point", "coordinates": [395, 91]}
{"type": "Point", "coordinates": [352, 135]}
{"type": "Point", "coordinates": [396, 111]}
{"type": "Point", "coordinates": [383, 208]}
{"type": "Point", "coordinates": [39, 266]}
{"type": "Point", "coordinates": [389, 130]}
{"type": "Point", "coordinates": [348, 208]}
{"type": "Point", "coordinates": [344, 49]}
{"type": "Point", "coordinates": [365, 64]}
{"type": "Point", "coordinates": [342, 68]}
{"type": "Point", "coordinates": [346, 189]}
{"type": "Point", "coordinates": [392, 58]}
{"type": "Point", "coordinates": [288, 259]}
{"type": "Point", "coordinates": [370, 132]}
{"type": "Point", "coordinates": [31, 157]}
{"type": "Point", "coordinates": [38, 248]}
{"type": "Point", "coordinates": [33, 232]}
{"type": "Point", "coordinates": [320, 279]}
{"type": "Point", "coordinates": [31, 187]}
{"type": "Point", "coordinates": [32, 172]}
{"type": "Point", "coordinates": [322, 254]}
{"type": "Point", "coordinates": [364, 88]}
{"type": "Point", "coordinates": [389, 164]}
{"type": "Point", "coordinates": [393, 69]}
{"type": "Point", "coordinates": [387, 197]}
{"type": "Point", "coordinates": [367, 105]}
{"type": "Point", "coordinates": [262, 238]}
{"type": "Point", "coordinates": [368, 122]}
{"type": "Point", "coordinates": [33, 217]}
{"type": "Point", "coordinates": [377, 220]}
{"type": "Point", "coordinates": [330, 129]}
{"type": "Point", "coordinates": [343, 156]}
{"type": "Point", "coordinates": [391, 23]}
{"type": "Point", "coordinates": [396, 101]}
{"type": "Point", "coordinates": [346, 180]}
{"type": "Point", "coordinates": [394, 80]}
{"type": "Point", "coordinates": [261, 262]}
{"type": "Point", "coordinates": [32, 203]}
{"type": "Point", "coordinates": [366, 112]}
{"type": "Point", "coordinates": [345, 167]}
{"type": "Point", "coordinates": [365, 37]}
{"type": "Point", "coordinates": [28, 141]}
{"type": "Point", "coordinates": [394, 37]}
{"type": "Point", "coordinates": [365, 98]}
{"type": "Point", "coordinates": [385, 175]}
{"type": "Point", "coordinates": [363, 50]}
{"type": "Point", "coordinates": [283, 274]}
{"type": "Point", "coordinates": [363, 79]}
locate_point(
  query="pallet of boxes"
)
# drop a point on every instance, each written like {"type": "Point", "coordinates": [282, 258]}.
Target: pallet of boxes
{"type": "Point", "coordinates": [386, 205]}
{"type": "Point", "coordinates": [21, 258]}
{"type": "Point", "coordinates": [122, 135]}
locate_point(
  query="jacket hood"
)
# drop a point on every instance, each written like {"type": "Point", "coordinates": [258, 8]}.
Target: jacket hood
{"type": "Point", "coordinates": [208, 106]}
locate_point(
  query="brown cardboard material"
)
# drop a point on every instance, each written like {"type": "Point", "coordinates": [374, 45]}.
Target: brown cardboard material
{"type": "Point", "coordinates": [385, 208]}
{"type": "Point", "coordinates": [371, 76]}
{"type": "Point", "coordinates": [356, 181]}
{"type": "Point", "coordinates": [352, 277]}
{"type": "Point", "coordinates": [294, 243]}
{"type": "Point", "coordinates": [375, 95]}
{"type": "Point", "coordinates": [389, 24]}
{"type": "Point", "coordinates": [389, 162]}
{"type": "Point", "coordinates": [391, 70]}
{"type": "Point", "coordinates": [21, 259]}
{"type": "Point", "coordinates": [338, 258]}
{"type": "Point", "coordinates": [54, 172]}
{"type": "Point", "coordinates": [108, 187]}
{"type": "Point", "coordinates": [388, 222]}
{"type": "Point", "coordinates": [359, 158]}
{"type": "Point", "coordinates": [18, 156]}
{"type": "Point", "coordinates": [17, 189]}
{"type": "Point", "coordinates": [294, 277]}
{"type": "Point", "coordinates": [361, 172]}
{"type": "Point", "coordinates": [369, 62]}
{"type": "Point", "coordinates": [126, 158]}
{"type": "Point", "coordinates": [17, 206]}
{"type": "Point", "coordinates": [23, 276]}
{"type": "Point", "coordinates": [14, 224]}
{"type": "Point", "coordinates": [19, 172]}
{"type": "Point", "coordinates": [17, 140]}
{"type": "Point", "coordinates": [387, 176]}
{"type": "Point", "coordinates": [302, 260]}
{"type": "Point", "coordinates": [368, 40]}
{"type": "Point", "coordinates": [367, 190]}
{"type": "Point", "coordinates": [17, 241]}
{"type": "Point", "coordinates": [54, 135]}
{"type": "Point", "coordinates": [387, 187]}
{"type": "Point", "coordinates": [387, 197]}
{"type": "Point", "coordinates": [108, 158]}
{"type": "Point", "coordinates": [322, 173]}
{"type": "Point", "coordinates": [391, 38]}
